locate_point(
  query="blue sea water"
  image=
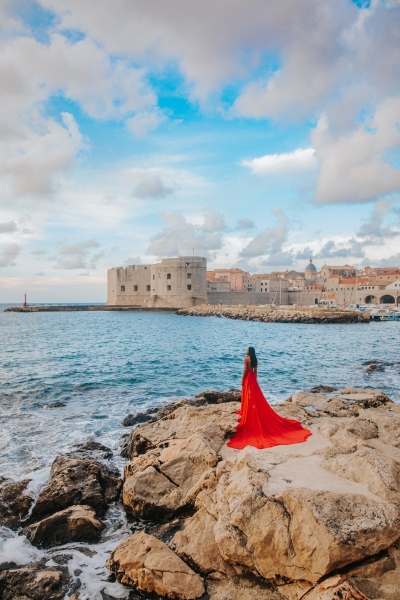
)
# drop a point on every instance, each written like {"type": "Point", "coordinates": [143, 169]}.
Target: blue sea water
{"type": "Point", "coordinates": [104, 365]}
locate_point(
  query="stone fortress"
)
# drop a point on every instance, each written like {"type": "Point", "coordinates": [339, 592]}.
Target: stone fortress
{"type": "Point", "coordinates": [172, 283]}
{"type": "Point", "coordinates": [184, 282]}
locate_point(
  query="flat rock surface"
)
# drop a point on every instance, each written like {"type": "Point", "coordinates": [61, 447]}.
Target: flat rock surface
{"type": "Point", "coordinates": [290, 517]}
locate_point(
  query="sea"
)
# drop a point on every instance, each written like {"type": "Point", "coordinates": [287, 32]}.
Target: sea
{"type": "Point", "coordinates": [67, 377]}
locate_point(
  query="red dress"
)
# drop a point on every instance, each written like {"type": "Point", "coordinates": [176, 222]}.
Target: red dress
{"type": "Point", "coordinates": [259, 425]}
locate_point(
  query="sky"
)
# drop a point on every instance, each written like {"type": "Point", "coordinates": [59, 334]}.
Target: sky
{"type": "Point", "coordinates": [255, 133]}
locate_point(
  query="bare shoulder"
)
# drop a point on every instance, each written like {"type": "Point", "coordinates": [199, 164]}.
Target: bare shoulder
{"type": "Point", "coordinates": [247, 360]}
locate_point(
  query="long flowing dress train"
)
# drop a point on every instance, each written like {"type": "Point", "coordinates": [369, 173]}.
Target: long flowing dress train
{"type": "Point", "coordinates": [259, 425]}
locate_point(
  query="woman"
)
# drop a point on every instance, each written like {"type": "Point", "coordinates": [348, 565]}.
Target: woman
{"type": "Point", "coordinates": [259, 425]}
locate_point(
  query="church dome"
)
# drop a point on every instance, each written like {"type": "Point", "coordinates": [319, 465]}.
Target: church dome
{"type": "Point", "coordinates": [311, 267]}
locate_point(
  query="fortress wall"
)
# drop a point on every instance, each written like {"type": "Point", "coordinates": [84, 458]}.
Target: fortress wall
{"type": "Point", "coordinates": [236, 298]}
{"type": "Point", "coordinates": [129, 277]}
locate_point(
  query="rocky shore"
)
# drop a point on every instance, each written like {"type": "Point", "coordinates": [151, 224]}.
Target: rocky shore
{"type": "Point", "coordinates": [313, 521]}
{"type": "Point", "coordinates": [277, 315]}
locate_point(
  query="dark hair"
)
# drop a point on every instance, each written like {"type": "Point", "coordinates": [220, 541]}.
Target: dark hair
{"type": "Point", "coordinates": [253, 357]}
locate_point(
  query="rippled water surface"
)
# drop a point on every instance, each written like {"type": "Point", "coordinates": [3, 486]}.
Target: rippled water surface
{"type": "Point", "coordinates": [103, 365]}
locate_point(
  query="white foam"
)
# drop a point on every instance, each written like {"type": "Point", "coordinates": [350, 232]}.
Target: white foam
{"type": "Point", "coordinates": [38, 479]}
{"type": "Point", "coordinates": [16, 548]}
{"type": "Point", "coordinates": [94, 573]}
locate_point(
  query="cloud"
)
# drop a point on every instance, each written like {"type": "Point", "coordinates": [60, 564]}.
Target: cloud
{"type": "Point", "coordinates": [270, 240]}
{"type": "Point", "coordinates": [145, 121]}
{"type": "Point", "coordinates": [299, 160]}
{"type": "Point", "coordinates": [77, 256]}
{"type": "Point", "coordinates": [181, 238]}
{"type": "Point", "coordinates": [152, 188]}
{"type": "Point", "coordinates": [36, 149]}
{"type": "Point", "coordinates": [373, 228]}
{"type": "Point", "coordinates": [8, 255]}
{"type": "Point", "coordinates": [33, 162]}
{"type": "Point", "coordinates": [244, 224]}
{"type": "Point", "coordinates": [132, 260]}
{"type": "Point", "coordinates": [332, 249]}
{"type": "Point", "coordinates": [355, 166]}
{"type": "Point", "coordinates": [40, 274]}
{"type": "Point", "coordinates": [8, 227]}
{"type": "Point", "coordinates": [39, 252]}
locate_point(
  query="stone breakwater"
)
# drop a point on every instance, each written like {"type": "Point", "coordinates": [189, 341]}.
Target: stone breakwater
{"type": "Point", "coordinates": [313, 521]}
{"type": "Point", "coordinates": [273, 315]}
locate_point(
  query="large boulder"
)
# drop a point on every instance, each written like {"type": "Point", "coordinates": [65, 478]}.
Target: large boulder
{"type": "Point", "coordinates": [196, 545]}
{"type": "Point", "coordinates": [150, 495]}
{"type": "Point", "coordinates": [78, 480]}
{"type": "Point", "coordinates": [148, 565]}
{"type": "Point", "coordinates": [282, 521]}
{"type": "Point", "coordinates": [181, 458]}
{"type": "Point", "coordinates": [34, 583]}
{"type": "Point", "coordinates": [272, 520]}
{"type": "Point", "coordinates": [75, 524]}
{"type": "Point", "coordinates": [15, 503]}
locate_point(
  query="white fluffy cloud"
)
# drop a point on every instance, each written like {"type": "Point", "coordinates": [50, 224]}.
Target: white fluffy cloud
{"type": "Point", "coordinates": [181, 237]}
{"type": "Point", "coordinates": [356, 166]}
{"type": "Point", "coordinates": [299, 160]}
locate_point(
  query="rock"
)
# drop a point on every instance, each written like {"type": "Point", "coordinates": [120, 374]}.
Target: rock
{"type": "Point", "coordinates": [95, 448]}
{"type": "Point", "coordinates": [274, 315]}
{"type": "Point", "coordinates": [377, 472]}
{"type": "Point", "coordinates": [322, 388]}
{"type": "Point", "coordinates": [279, 522]}
{"type": "Point", "coordinates": [14, 502]}
{"type": "Point", "coordinates": [57, 405]}
{"type": "Point", "coordinates": [335, 588]}
{"type": "Point", "coordinates": [131, 419]}
{"type": "Point", "coordinates": [346, 402]}
{"type": "Point", "coordinates": [75, 524]}
{"type": "Point", "coordinates": [196, 545]}
{"type": "Point", "coordinates": [77, 480]}
{"type": "Point", "coordinates": [245, 587]}
{"type": "Point", "coordinates": [175, 470]}
{"type": "Point", "coordinates": [145, 563]}
{"type": "Point", "coordinates": [163, 500]}
{"type": "Point", "coordinates": [379, 577]}
{"type": "Point", "coordinates": [270, 521]}
{"type": "Point", "coordinates": [218, 421]}
{"type": "Point", "coordinates": [34, 583]}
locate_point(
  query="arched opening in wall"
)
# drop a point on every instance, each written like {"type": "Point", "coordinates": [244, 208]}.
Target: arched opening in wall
{"type": "Point", "coordinates": [316, 301]}
{"type": "Point", "coordinates": [370, 300]}
{"type": "Point", "coordinates": [387, 299]}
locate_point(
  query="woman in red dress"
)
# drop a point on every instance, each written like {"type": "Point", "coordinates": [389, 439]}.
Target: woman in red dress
{"type": "Point", "coordinates": [259, 425]}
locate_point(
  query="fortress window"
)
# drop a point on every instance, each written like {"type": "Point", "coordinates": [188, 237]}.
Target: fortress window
{"type": "Point", "coordinates": [168, 275]}
{"type": "Point", "coordinates": [168, 288]}
{"type": "Point", "coordinates": [122, 288]}
{"type": "Point", "coordinates": [135, 288]}
{"type": "Point", "coordinates": [189, 287]}
{"type": "Point", "coordinates": [154, 277]}
{"type": "Point", "coordinates": [189, 276]}
{"type": "Point", "coordinates": [147, 288]}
